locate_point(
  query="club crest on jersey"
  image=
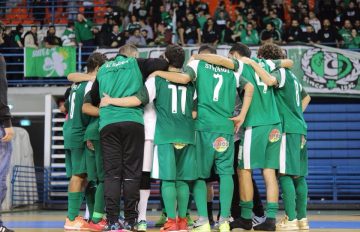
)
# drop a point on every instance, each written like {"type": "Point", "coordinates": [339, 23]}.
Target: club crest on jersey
{"type": "Point", "coordinates": [274, 136]}
{"type": "Point", "coordinates": [220, 144]}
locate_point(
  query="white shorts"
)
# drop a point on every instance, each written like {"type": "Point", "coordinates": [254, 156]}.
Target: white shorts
{"type": "Point", "coordinates": [148, 156]}
{"type": "Point", "coordinates": [149, 124]}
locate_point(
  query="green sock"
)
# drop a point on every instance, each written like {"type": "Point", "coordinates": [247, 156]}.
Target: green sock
{"type": "Point", "coordinates": [168, 193]}
{"type": "Point", "coordinates": [200, 196]}
{"type": "Point", "coordinates": [288, 196]}
{"type": "Point", "coordinates": [99, 207]}
{"type": "Point", "coordinates": [74, 203]}
{"type": "Point", "coordinates": [246, 209]}
{"type": "Point", "coordinates": [183, 193]}
{"type": "Point", "coordinates": [90, 197]}
{"type": "Point", "coordinates": [272, 209]}
{"type": "Point", "coordinates": [226, 187]}
{"type": "Point", "coordinates": [301, 196]}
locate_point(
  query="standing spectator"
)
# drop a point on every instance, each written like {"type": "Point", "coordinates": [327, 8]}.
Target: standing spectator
{"type": "Point", "coordinates": [190, 32]}
{"type": "Point", "coordinates": [352, 12]}
{"type": "Point", "coordinates": [136, 38]}
{"type": "Point", "coordinates": [294, 32]}
{"type": "Point", "coordinates": [328, 35]}
{"type": "Point", "coordinates": [143, 12]}
{"type": "Point", "coordinates": [249, 36]}
{"type": "Point", "coordinates": [134, 24]}
{"type": "Point", "coordinates": [273, 18]}
{"type": "Point", "coordinates": [354, 42]}
{"type": "Point", "coordinates": [165, 16]}
{"type": "Point", "coordinates": [345, 33]}
{"type": "Point", "coordinates": [270, 34]}
{"type": "Point", "coordinates": [84, 35]}
{"type": "Point", "coordinates": [39, 11]}
{"type": "Point", "coordinates": [116, 38]}
{"type": "Point", "coordinates": [210, 32]}
{"type": "Point", "coordinates": [16, 40]}
{"type": "Point", "coordinates": [6, 134]}
{"type": "Point", "coordinates": [229, 35]}
{"type": "Point", "coordinates": [31, 38]}
{"type": "Point", "coordinates": [309, 36]}
{"type": "Point", "coordinates": [51, 40]}
{"type": "Point", "coordinates": [68, 37]}
{"type": "Point", "coordinates": [314, 21]}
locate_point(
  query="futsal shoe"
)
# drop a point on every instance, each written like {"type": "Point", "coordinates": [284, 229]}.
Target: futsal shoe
{"type": "Point", "coordinates": [78, 224]}
{"type": "Point", "coordinates": [161, 221]}
{"type": "Point", "coordinates": [141, 226]}
{"type": "Point", "coordinates": [190, 222]}
{"type": "Point", "coordinates": [4, 229]}
{"type": "Point", "coordinates": [182, 224]}
{"type": "Point", "coordinates": [113, 227]}
{"type": "Point", "coordinates": [303, 224]}
{"type": "Point", "coordinates": [268, 225]}
{"type": "Point", "coordinates": [286, 225]}
{"type": "Point", "coordinates": [97, 226]}
{"type": "Point", "coordinates": [201, 228]}
{"type": "Point", "coordinates": [241, 223]}
{"type": "Point", "coordinates": [224, 226]}
{"type": "Point", "coordinates": [258, 220]}
{"type": "Point", "coordinates": [170, 225]}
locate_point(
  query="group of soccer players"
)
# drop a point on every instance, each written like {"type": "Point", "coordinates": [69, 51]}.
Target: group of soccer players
{"type": "Point", "coordinates": [132, 119]}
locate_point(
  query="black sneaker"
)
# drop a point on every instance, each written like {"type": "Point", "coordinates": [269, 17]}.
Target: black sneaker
{"type": "Point", "coordinates": [113, 227]}
{"type": "Point", "coordinates": [241, 223]}
{"type": "Point", "coordinates": [268, 225]}
{"type": "Point", "coordinates": [129, 226]}
{"type": "Point", "coordinates": [4, 229]}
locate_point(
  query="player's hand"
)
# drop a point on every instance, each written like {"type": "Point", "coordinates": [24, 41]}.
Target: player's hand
{"type": "Point", "coordinates": [105, 101]}
{"type": "Point", "coordinates": [246, 60]}
{"type": "Point", "coordinates": [238, 121]}
{"type": "Point", "coordinates": [9, 134]}
{"type": "Point", "coordinates": [90, 145]}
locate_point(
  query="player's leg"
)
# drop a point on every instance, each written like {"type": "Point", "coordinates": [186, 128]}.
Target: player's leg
{"type": "Point", "coordinates": [133, 147]}
{"type": "Point", "coordinates": [235, 204]}
{"type": "Point", "coordinates": [163, 216]}
{"type": "Point", "coordinates": [258, 209]}
{"type": "Point", "coordinates": [210, 196]}
{"type": "Point", "coordinates": [90, 190]}
{"type": "Point", "coordinates": [111, 140]}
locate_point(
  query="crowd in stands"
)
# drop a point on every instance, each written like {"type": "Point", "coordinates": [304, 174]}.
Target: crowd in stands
{"type": "Point", "coordinates": [160, 22]}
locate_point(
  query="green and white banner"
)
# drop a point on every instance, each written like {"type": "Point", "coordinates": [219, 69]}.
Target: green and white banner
{"type": "Point", "coordinates": [53, 62]}
{"type": "Point", "coordinates": [324, 71]}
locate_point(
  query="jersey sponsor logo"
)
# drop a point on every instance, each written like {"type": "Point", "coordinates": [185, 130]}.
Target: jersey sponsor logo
{"type": "Point", "coordinates": [220, 144]}
{"type": "Point", "coordinates": [330, 70]}
{"type": "Point", "coordinates": [274, 136]}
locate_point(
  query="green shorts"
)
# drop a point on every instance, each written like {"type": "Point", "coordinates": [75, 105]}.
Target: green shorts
{"type": "Point", "coordinates": [75, 162]}
{"type": "Point", "coordinates": [214, 148]}
{"type": "Point", "coordinates": [94, 162]}
{"type": "Point", "coordinates": [293, 157]}
{"type": "Point", "coordinates": [171, 163]}
{"type": "Point", "coordinates": [261, 147]}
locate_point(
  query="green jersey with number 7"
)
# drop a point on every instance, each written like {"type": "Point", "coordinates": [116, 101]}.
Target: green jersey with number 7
{"type": "Point", "coordinates": [216, 93]}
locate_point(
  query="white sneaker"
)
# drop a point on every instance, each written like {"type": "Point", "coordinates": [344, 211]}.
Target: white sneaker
{"type": "Point", "coordinates": [258, 220]}
{"type": "Point", "coordinates": [286, 225]}
{"type": "Point", "coordinates": [303, 224]}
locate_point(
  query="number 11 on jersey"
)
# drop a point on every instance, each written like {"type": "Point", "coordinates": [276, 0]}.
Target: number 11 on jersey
{"type": "Point", "coordinates": [174, 99]}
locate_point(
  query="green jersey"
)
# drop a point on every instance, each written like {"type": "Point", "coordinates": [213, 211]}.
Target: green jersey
{"type": "Point", "coordinates": [118, 78]}
{"type": "Point", "coordinates": [263, 110]}
{"type": "Point", "coordinates": [216, 93]}
{"type": "Point", "coordinates": [92, 129]}
{"type": "Point", "coordinates": [288, 97]}
{"type": "Point", "coordinates": [173, 105]}
{"type": "Point", "coordinates": [75, 124]}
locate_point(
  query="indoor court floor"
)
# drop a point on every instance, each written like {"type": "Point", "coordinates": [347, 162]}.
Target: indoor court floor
{"type": "Point", "coordinates": [52, 221]}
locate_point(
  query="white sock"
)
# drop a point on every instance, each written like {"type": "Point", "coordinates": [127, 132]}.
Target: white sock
{"type": "Point", "coordinates": [142, 207]}
{"type": "Point", "coordinates": [87, 214]}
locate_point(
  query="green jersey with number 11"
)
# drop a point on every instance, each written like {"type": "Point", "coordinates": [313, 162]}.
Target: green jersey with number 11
{"type": "Point", "coordinates": [216, 93]}
{"type": "Point", "coordinates": [288, 98]}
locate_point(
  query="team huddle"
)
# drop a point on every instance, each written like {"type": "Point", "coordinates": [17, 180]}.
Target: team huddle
{"type": "Point", "coordinates": [132, 119]}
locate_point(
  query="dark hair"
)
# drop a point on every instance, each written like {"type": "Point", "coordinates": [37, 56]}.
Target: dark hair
{"type": "Point", "coordinates": [19, 27]}
{"type": "Point", "coordinates": [175, 55]}
{"type": "Point", "coordinates": [51, 26]}
{"type": "Point", "coordinates": [95, 60]}
{"type": "Point", "coordinates": [207, 47]}
{"type": "Point", "coordinates": [241, 49]}
{"type": "Point", "coordinates": [271, 51]}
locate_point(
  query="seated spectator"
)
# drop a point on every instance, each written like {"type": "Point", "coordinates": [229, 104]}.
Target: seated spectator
{"type": "Point", "coordinates": [357, 25]}
{"type": "Point", "coordinates": [354, 42]}
{"type": "Point", "coordinates": [249, 36]}
{"type": "Point", "coordinates": [68, 37]}
{"type": "Point", "coordinates": [136, 38]}
{"type": "Point", "coordinates": [309, 36]}
{"type": "Point", "coordinates": [190, 32]}
{"type": "Point", "coordinates": [210, 33]}
{"type": "Point", "coordinates": [31, 38]}
{"type": "Point", "coordinates": [111, 14]}
{"type": "Point", "coordinates": [219, 9]}
{"type": "Point", "coordinates": [201, 6]}
{"type": "Point", "coordinates": [352, 12]}
{"type": "Point", "coordinates": [328, 35]}
{"type": "Point", "coordinates": [162, 35]}
{"type": "Point", "coordinates": [339, 18]}
{"type": "Point", "coordinates": [134, 24]}
{"type": "Point", "coordinates": [143, 12]}
{"type": "Point", "coordinates": [273, 18]}
{"type": "Point", "coordinates": [242, 8]}
{"type": "Point", "coordinates": [144, 34]}
{"type": "Point", "coordinates": [294, 32]}
{"type": "Point", "coordinates": [229, 35]}
{"type": "Point", "coordinates": [270, 34]}
{"type": "Point", "coordinates": [345, 33]}
{"type": "Point", "coordinates": [51, 40]}
{"type": "Point", "coordinates": [148, 28]}
{"type": "Point", "coordinates": [116, 38]}
{"type": "Point", "coordinates": [240, 23]}
{"type": "Point", "coordinates": [314, 21]}
{"type": "Point", "coordinates": [16, 40]}
{"type": "Point", "coordinates": [99, 38]}
{"type": "Point", "coordinates": [305, 23]}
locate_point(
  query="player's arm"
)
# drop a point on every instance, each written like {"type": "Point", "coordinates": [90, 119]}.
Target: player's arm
{"type": "Point", "coordinates": [249, 90]}
{"type": "Point", "coordinates": [217, 60]}
{"type": "Point", "coordinates": [180, 78]}
{"type": "Point", "coordinates": [305, 99]}
{"type": "Point", "coordinates": [265, 76]}
{"type": "Point", "coordinates": [80, 77]}
{"type": "Point", "coordinates": [286, 63]}
{"type": "Point", "coordinates": [88, 108]}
